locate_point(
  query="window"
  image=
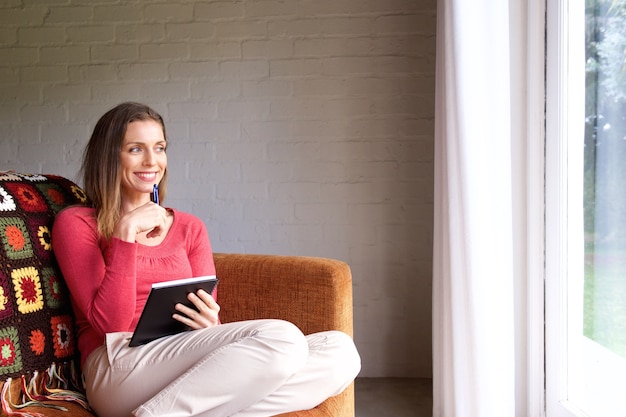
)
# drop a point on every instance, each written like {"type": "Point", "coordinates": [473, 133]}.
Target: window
{"type": "Point", "coordinates": [605, 175]}
{"type": "Point", "coordinates": [586, 208]}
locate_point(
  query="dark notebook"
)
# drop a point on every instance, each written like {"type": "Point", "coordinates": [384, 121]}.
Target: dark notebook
{"type": "Point", "coordinates": [156, 318]}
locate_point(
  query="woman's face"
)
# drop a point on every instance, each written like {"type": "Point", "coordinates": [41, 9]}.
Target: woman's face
{"type": "Point", "coordinates": [143, 160]}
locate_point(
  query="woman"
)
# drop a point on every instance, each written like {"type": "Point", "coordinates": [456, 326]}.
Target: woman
{"type": "Point", "coordinates": [112, 252]}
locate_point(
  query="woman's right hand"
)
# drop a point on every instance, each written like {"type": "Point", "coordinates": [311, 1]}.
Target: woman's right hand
{"type": "Point", "coordinates": [149, 217]}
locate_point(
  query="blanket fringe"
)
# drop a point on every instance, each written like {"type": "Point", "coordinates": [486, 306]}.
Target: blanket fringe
{"type": "Point", "coordinates": [50, 385]}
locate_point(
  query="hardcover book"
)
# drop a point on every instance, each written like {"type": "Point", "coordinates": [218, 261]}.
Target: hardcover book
{"type": "Point", "coordinates": [156, 318]}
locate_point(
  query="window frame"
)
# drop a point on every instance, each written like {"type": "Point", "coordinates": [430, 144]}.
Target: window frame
{"type": "Point", "coordinates": [565, 81]}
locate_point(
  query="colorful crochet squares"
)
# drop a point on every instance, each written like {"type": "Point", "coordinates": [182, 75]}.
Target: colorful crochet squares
{"type": "Point", "coordinates": [15, 238]}
{"type": "Point", "coordinates": [36, 325]}
{"type": "Point", "coordinates": [10, 352]}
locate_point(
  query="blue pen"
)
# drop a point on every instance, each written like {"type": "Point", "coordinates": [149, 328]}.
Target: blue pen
{"type": "Point", "coordinates": [154, 197]}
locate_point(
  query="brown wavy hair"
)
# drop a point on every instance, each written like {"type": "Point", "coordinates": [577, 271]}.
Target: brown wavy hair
{"type": "Point", "coordinates": [101, 162]}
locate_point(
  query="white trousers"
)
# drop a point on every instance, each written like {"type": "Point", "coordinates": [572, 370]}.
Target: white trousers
{"type": "Point", "coordinates": [245, 369]}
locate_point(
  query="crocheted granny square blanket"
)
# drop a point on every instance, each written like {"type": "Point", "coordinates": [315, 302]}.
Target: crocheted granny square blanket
{"type": "Point", "coordinates": [36, 321]}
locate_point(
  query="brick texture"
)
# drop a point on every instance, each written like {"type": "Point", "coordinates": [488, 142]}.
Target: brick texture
{"type": "Point", "coordinates": [296, 127]}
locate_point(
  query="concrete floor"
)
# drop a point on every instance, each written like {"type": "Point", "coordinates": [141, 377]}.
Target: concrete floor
{"type": "Point", "coordinates": [394, 397]}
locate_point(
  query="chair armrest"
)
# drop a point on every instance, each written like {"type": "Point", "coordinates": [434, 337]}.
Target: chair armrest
{"type": "Point", "coordinates": [313, 293]}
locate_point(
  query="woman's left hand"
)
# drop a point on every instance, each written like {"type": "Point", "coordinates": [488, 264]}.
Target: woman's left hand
{"type": "Point", "coordinates": [205, 315]}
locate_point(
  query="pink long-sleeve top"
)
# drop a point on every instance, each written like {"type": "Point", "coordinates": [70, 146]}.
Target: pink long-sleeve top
{"type": "Point", "coordinates": [109, 282]}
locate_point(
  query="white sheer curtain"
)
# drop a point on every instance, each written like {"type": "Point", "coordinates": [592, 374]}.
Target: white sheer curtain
{"type": "Point", "coordinates": [488, 245]}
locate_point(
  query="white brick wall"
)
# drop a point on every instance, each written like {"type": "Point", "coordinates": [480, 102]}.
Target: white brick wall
{"type": "Point", "coordinates": [296, 127]}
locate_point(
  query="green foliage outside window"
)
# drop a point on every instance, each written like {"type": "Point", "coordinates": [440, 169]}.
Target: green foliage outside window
{"type": "Point", "coordinates": [605, 174]}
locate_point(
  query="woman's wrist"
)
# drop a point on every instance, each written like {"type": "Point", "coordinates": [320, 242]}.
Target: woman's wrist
{"type": "Point", "coordinates": [125, 233]}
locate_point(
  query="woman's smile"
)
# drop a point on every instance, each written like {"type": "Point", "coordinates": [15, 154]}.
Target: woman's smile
{"type": "Point", "coordinates": [150, 177]}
